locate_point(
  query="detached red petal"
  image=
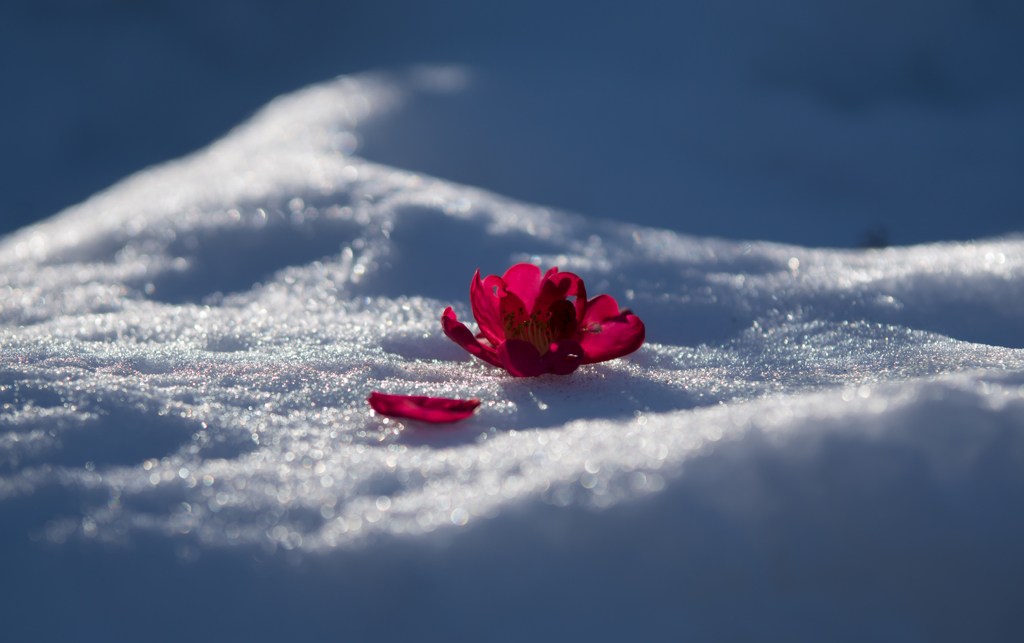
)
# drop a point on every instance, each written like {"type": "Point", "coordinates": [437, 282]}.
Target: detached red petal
{"type": "Point", "coordinates": [435, 410]}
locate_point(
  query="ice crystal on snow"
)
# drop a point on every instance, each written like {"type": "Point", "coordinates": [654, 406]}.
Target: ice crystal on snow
{"type": "Point", "coordinates": [189, 353]}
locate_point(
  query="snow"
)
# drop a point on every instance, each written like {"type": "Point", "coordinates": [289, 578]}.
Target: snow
{"type": "Point", "coordinates": [813, 443]}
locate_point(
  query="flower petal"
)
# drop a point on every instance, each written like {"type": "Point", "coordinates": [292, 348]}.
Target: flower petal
{"type": "Point", "coordinates": [486, 306]}
{"type": "Point", "coordinates": [522, 359]}
{"type": "Point", "coordinates": [561, 319]}
{"type": "Point", "coordinates": [524, 280]}
{"type": "Point", "coordinates": [513, 313]}
{"type": "Point", "coordinates": [565, 356]}
{"type": "Point", "coordinates": [606, 334]}
{"type": "Point", "coordinates": [551, 290]}
{"type": "Point", "coordinates": [575, 289]}
{"type": "Point", "coordinates": [458, 333]}
{"type": "Point", "coordinates": [435, 410]}
{"type": "Point", "coordinates": [599, 308]}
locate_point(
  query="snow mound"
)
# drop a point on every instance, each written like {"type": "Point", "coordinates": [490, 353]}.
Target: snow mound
{"type": "Point", "coordinates": [187, 355]}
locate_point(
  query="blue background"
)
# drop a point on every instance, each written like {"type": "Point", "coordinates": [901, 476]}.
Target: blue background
{"type": "Point", "coordinates": [819, 123]}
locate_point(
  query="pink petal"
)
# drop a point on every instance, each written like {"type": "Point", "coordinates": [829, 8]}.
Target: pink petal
{"type": "Point", "coordinates": [575, 289]}
{"type": "Point", "coordinates": [618, 336]}
{"type": "Point", "coordinates": [599, 308]}
{"type": "Point", "coordinates": [522, 359]}
{"type": "Point", "coordinates": [564, 357]}
{"type": "Point", "coordinates": [561, 319]}
{"type": "Point", "coordinates": [435, 410]}
{"type": "Point", "coordinates": [458, 333]}
{"type": "Point", "coordinates": [514, 310]}
{"type": "Point", "coordinates": [486, 307]}
{"type": "Point", "coordinates": [551, 290]}
{"type": "Point", "coordinates": [606, 334]}
{"type": "Point", "coordinates": [524, 280]}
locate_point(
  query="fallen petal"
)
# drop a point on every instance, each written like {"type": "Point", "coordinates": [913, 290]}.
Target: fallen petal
{"type": "Point", "coordinates": [435, 410]}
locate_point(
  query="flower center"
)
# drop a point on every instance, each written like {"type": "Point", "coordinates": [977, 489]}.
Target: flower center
{"type": "Point", "coordinates": [531, 329]}
{"type": "Point", "coordinates": [540, 328]}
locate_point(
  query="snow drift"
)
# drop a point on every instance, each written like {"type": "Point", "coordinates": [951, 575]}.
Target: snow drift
{"type": "Point", "coordinates": [813, 443]}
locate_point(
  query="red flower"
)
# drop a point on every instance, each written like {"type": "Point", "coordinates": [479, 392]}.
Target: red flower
{"type": "Point", "coordinates": [529, 327]}
{"type": "Point", "coordinates": [435, 410]}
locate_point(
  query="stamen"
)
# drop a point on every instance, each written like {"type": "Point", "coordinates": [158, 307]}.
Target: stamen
{"type": "Point", "coordinates": [534, 330]}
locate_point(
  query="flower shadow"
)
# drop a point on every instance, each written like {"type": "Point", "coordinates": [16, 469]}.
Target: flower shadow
{"type": "Point", "coordinates": [551, 401]}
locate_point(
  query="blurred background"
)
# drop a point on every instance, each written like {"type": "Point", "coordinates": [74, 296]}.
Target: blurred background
{"type": "Point", "coordinates": [823, 123]}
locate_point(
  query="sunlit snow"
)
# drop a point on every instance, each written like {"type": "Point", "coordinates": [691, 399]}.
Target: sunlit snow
{"type": "Point", "coordinates": [146, 378]}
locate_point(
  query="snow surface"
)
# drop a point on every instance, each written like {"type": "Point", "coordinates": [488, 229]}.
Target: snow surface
{"type": "Point", "coordinates": [814, 444]}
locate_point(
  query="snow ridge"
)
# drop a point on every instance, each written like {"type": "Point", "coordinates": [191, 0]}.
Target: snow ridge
{"type": "Point", "coordinates": [188, 353]}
